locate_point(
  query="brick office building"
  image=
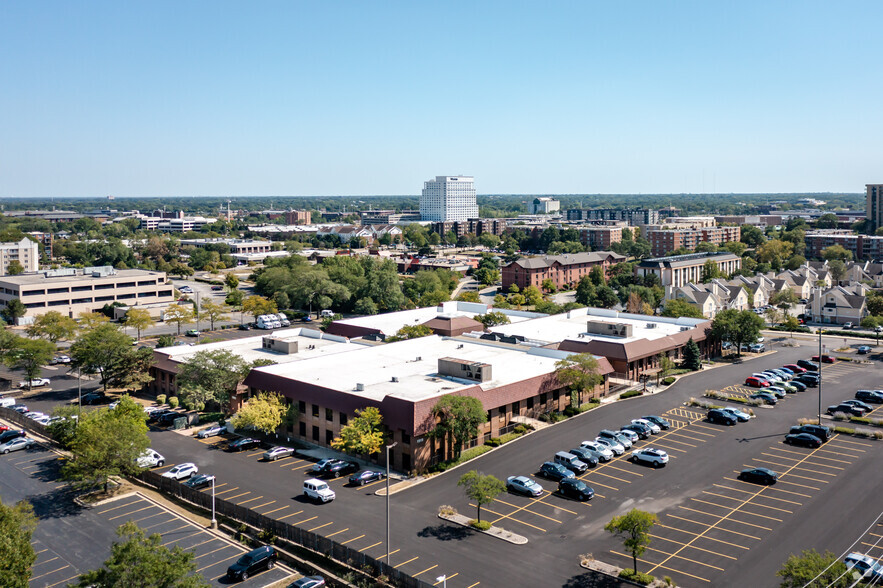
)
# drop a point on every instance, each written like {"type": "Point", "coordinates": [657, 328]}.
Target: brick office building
{"type": "Point", "coordinates": [564, 270]}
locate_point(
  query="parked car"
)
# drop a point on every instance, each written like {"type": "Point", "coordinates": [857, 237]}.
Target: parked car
{"type": "Point", "coordinates": [571, 462]}
{"type": "Point", "coordinates": [875, 396]}
{"type": "Point", "coordinates": [808, 380]}
{"type": "Point", "coordinates": [659, 421]}
{"type": "Point", "coordinates": [150, 459]}
{"type": "Point", "coordinates": [555, 471]}
{"type": "Point", "coordinates": [21, 408]}
{"type": "Point", "coordinates": [340, 468]}
{"type": "Point", "coordinates": [308, 582]}
{"type": "Point", "coordinates": [245, 327]}
{"type": "Point", "coordinates": [632, 436]}
{"type": "Point", "coordinates": [217, 288]}
{"type": "Point", "coordinates": [612, 445]}
{"type": "Point", "coordinates": [211, 431]}
{"type": "Point", "coordinates": [756, 382]}
{"type": "Point", "coordinates": [366, 477]}
{"type": "Point", "coordinates": [576, 489]}
{"type": "Point", "coordinates": [859, 403]}
{"type": "Point", "coordinates": [798, 385]}
{"type": "Point", "coordinates": [808, 365]}
{"type": "Point", "coordinates": [523, 485]}
{"type": "Point", "coordinates": [277, 453]}
{"type": "Point", "coordinates": [168, 418]}
{"type": "Point", "coordinates": [726, 345]}
{"type": "Point", "coordinates": [11, 434]}
{"type": "Point", "coordinates": [868, 567]}
{"type": "Point", "coordinates": [199, 481]}
{"type": "Point", "coordinates": [586, 455]}
{"type": "Point", "coordinates": [825, 359]}
{"type": "Point", "coordinates": [777, 391]}
{"type": "Point", "coordinates": [60, 359]}
{"type": "Point", "coordinates": [655, 457]}
{"type": "Point", "coordinates": [654, 428]}
{"type": "Point", "coordinates": [318, 490]}
{"type": "Point", "coordinates": [602, 452]}
{"type": "Point", "coordinates": [765, 397]}
{"type": "Point", "coordinates": [243, 443]}
{"type": "Point", "coordinates": [181, 471]}
{"type": "Point", "coordinates": [847, 325]}
{"type": "Point", "coordinates": [193, 333]}
{"type": "Point", "coordinates": [16, 444]}
{"type": "Point", "coordinates": [320, 465]}
{"type": "Point", "coordinates": [759, 476]}
{"type": "Point", "coordinates": [740, 415]}
{"type": "Point", "coordinates": [769, 377]}
{"type": "Point", "coordinates": [863, 350]}
{"type": "Point", "coordinates": [642, 431]}
{"type": "Point", "coordinates": [613, 437]}
{"type": "Point", "coordinates": [94, 398]}
{"type": "Point", "coordinates": [803, 440]}
{"type": "Point", "coordinates": [35, 383]}
{"type": "Point", "coordinates": [822, 432]}
{"type": "Point", "coordinates": [256, 560]}
{"type": "Point", "coordinates": [756, 348]}
{"type": "Point", "coordinates": [795, 368]}
{"type": "Point", "coordinates": [847, 409]}
{"type": "Point", "coordinates": [716, 415]}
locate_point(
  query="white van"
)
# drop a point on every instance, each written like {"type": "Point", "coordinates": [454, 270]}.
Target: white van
{"type": "Point", "coordinates": [318, 490]}
{"type": "Point", "coordinates": [327, 314]}
{"type": "Point", "coordinates": [150, 459]}
{"type": "Point", "coordinates": [7, 402]}
{"type": "Point", "coordinates": [268, 322]}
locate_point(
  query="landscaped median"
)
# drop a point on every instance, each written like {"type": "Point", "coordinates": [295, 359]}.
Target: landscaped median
{"type": "Point", "coordinates": [450, 514]}
{"type": "Point", "coordinates": [854, 431]}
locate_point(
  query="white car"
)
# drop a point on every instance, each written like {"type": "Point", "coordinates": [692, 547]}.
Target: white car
{"type": "Point", "coordinates": [739, 414]}
{"type": "Point", "coordinates": [604, 453]}
{"type": "Point", "coordinates": [613, 446]}
{"type": "Point", "coordinates": [16, 444]}
{"type": "Point", "coordinates": [630, 435]}
{"type": "Point", "coordinates": [654, 428]}
{"type": "Point", "coordinates": [211, 431]}
{"type": "Point", "coordinates": [60, 359]}
{"type": "Point", "coordinates": [43, 420]}
{"type": "Point", "coordinates": [35, 383]}
{"type": "Point", "coordinates": [34, 415]}
{"type": "Point", "coordinates": [655, 457]}
{"type": "Point", "coordinates": [181, 471]}
{"type": "Point", "coordinates": [318, 490]}
{"type": "Point", "coordinates": [150, 459]}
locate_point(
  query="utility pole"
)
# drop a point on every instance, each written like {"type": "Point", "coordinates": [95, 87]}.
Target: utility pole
{"type": "Point", "coordinates": [388, 447]}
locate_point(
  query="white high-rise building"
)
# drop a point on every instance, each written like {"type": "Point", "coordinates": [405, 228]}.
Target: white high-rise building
{"type": "Point", "coordinates": [25, 252]}
{"type": "Point", "coordinates": [448, 198]}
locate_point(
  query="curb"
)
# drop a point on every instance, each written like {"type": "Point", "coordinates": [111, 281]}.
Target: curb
{"type": "Point", "coordinates": [496, 532]}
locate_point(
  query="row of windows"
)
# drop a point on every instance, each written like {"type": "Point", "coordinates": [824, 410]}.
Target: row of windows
{"type": "Point", "coordinates": [42, 304]}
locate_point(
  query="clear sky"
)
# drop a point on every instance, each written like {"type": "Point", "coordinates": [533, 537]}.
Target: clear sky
{"type": "Point", "coordinates": [294, 98]}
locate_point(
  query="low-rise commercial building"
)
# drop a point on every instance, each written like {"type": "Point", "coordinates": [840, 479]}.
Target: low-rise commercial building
{"type": "Point", "coordinates": [564, 270]}
{"type": "Point", "coordinates": [634, 216]}
{"type": "Point", "coordinates": [755, 220]}
{"type": "Point", "coordinates": [474, 226]}
{"type": "Point", "coordinates": [298, 217]}
{"type": "Point", "coordinates": [235, 245]}
{"type": "Point", "coordinates": [26, 252]}
{"type": "Point", "coordinates": [679, 270]}
{"type": "Point", "coordinates": [601, 236]}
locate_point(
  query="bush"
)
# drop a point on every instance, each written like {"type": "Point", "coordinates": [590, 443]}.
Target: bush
{"type": "Point", "coordinates": [840, 416]}
{"type": "Point", "coordinates": [797, 330]}
{"type": "Point", "coordinates": [522, 429]}
{"type": "Point", "coordinates": [551, 417]}
{"type": "Point", "coordinates": [493, 442]}
{"type": "Point", "coordinates": [668, 381]}
{"type": "Point", "coordinates": [639, 577]}
{"type": "Point", "coordinates": [844, 358]}
{"type": "Point", "coordinates": [173, 402]}
{"type": "Point", "coordinates": [631, 394]}
{"type": "Point", "coordinates": [464, 457]}
{"type": "Point", "coordinates": [844, 430]}
{"type": "Point", "coordinates": [447, 510]}
{"type": "Point", "coordinates": [480, 525]}
{"type": "Point", "coordinates": [160, 398]}
{"type": "Point", "coordinates": [862, 420]}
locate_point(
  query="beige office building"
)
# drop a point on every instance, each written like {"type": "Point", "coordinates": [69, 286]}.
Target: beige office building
{"type": "Point", "coordinates": [72, 291]}
{"type": "Point", "coordinates": [26, 252]}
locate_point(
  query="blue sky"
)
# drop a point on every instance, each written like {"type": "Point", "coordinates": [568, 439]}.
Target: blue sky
{"type": "Point", "coordinates": [323, 98]}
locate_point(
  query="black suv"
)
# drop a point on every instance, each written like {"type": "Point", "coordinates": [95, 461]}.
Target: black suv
{"type": "Point", "coordinates": [847, 408]}
{"type": "Point", "coordinates": [243, 443]}
{"type": "Point", "coordinates": [256, 560]}
{"type": "Point", "coordinates": [874, 396]}
{"type": "Point", "coordinates": [94, 397]}
{"type": "Point", "coordinates": [584, 456]}
{"type": "Point", "coordinates": [12, 434]}
{"type": "Point", "coordinates": [576, 489]}
{"type": "Point", "coordinates": [810, 380]}
{"type": "Point", "coordinates": [339, 467]}
{"type": "Point", "coordinates": [820, 431]}
{"type": "Point", "coordinates": [715, 415]}
{"type": "Point", "coordinates": [808, 365]}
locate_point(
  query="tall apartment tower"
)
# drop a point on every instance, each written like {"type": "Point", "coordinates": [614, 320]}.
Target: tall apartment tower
{"type": "Point", "coordinates": [448, 198]}
{"type": "Point", "coordinates": [874, 205]}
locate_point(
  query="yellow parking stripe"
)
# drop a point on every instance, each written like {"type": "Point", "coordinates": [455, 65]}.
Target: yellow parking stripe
{"type": "Point", "coordinates": [625, 470]}
{"type": "Point", "coordinates": [679, 434]}
{"type": "Point", "coordinates": [528, 510]}
{"type": "Point", "coordinates": [62, 582]}
{"type": "Point", "coordinates": [474, 585]}
{"type": "Point", "coordinates": [47, 573]}
{"type": "Point", "coordinates": [120, 506]}
{"type": "Point", "coordinates": [668, 440]}
{"type": "Point", "coordinates": [40, 563]}
{"type": "Point", "coordinates": [386, 555]}
{"type": "Point", "coordinates": [351, 540]}
{"type": "Point", "coordinates": [159, 523]}
{"type": "Point", "coordinates": [406, 562]}
{"type": "Point", "coordinates": [184, 537]}
{"type": "Point", "coordinates": [306, 520]}
{"type": "Point", "coordinates": [742, 511]}
{"type": "Point", "coordinates": [237, 496]}
{"type": "Point", "coordinates": [289, 515]}
{"type": "Point", "coordinates": [669, 447]}
{"type": "Point", "coordinates": [370, 546]}
{"type": "Point", "coordinates": [214, 551]}
{"type": "Point", "coordinates": [511, 518]}
{"type": "Point", "coordinates": [692, 546]}
{"type": "Point", "coordinates": [263, 505]}
{"type": "Point", "coordinates": [446, 578]}
{"type": "Point", "coordinates": [277, 510]}
{"type": "Point", "coordinates": [735, 510]}
{"type": "Point", "coordinates": [319, 527]}
{"type": "Point", "coordinates": [426, 570]}
{"type": "Point", "coordinates": [755, 503]}
{"type": "Point", "coordinates": [685, 558]}
{"type": "Point", "coordinates": [859, 443]}
{"type": "Point", "coordinates": [802, 485]}
{"type": "Point", "coordinates": [233, 489]}
{"type": "Point", "coordinates": [600, 473]}
{"type": "Point", "coordinates": [337, 533]}
{"type": "Point", "coordinates": [596, 483]}
{"type": "Point", "coordinates": [249, 500]}
{"type": "Point", "coordinates": [131, 513]}
{"type": "Point", "coordinates": [705, 427]}
{"type": "Point", "coordinates": [704, 537]}
{"type": "Point", "coordinates": [644, 561]}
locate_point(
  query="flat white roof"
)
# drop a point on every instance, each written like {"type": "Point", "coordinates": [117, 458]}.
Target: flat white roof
{"type": "Point", "coordinates": [414, 363]}
{"type": "Point", "coordinates": [572, 325]}
{"type": "Point", "coordinates": [251, 348]}
{"type": "Point", "coordinates": [390, 322]}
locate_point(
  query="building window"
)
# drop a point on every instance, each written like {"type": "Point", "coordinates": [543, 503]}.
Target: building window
{"type": "Point", "coordinates": [515, 408]}
{"type": "Point", "coordinates": [406, 439]}
{"type": "Point", "coordinates": [343, 419]}
{"type": "Point", "coordinates": [316, 434]}
{"type": "Point", "coordinates": [406, 462]}
{"type": "Point", "coordinates": [543, 398]}
{"type": "Point", "coordinates": [302, 407]}
{"type": "Point", "coordinates": [316, 411]}
{"type": "Point", "coordinates": [302, 429]}
{"type": "Point", "coordinates": [530, 403]}
{"type": "Point", "coordinates": [329, 436]}
{"type": "Point", "coordinates": [329, 414]}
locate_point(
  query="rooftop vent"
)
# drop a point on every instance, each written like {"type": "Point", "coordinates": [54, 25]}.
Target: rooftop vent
{"type": "Point", "coordinates": [395, 379]}
{"type": "Point", "coordinates": [460, 346]}
{"type": "Point", "coordinates": [651, 325]}
{"type": "Point", "coordinates": [360, 387]}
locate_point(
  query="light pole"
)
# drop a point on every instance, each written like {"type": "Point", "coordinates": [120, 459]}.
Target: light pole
{"type": "Point", "coordinates": [79, 395]}
{"type": "Point", "coordinates": [197, 317]}
{"type": "Point", "coordinates": [820, 357]}
{"type": "Point", "coordinates": [443, 580]}
{"type": "Point", "coordinates": [214, 520]}
{"type": "Point", "coordinates": [388, 447]}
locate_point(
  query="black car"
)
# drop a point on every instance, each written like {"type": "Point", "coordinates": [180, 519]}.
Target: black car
{"type": "Point", "coordinates": [846, 408]}
{"type": "Point", "coordinates": [584, 456]}
{"type": "Point", "coordinates": [12, 434]}
{"type": "Point", "coordinates": [642, 431]}
{"type": "Point", "coordinates": [576, 489]}
{"type": "Point", "coordinates": [199, 481]}
{"type": "Point", "coordinates": [94, 398]}
{"type": "Point", "coordinates": [821, 432]}
{"type": "Point", "coordinates": [863, 350]}
{"type": "Point", "coordinates": [555, 471]}
{"type": "Point", "coordinates": [339, 467]}
{"type": "Point", "coordinates": [874, 396]}
{"type": "Point", "coordinates": [715, 415]}
{"type": "Point", "coordinates": [759, 476]}
{"type": "Point", "coordinates": [256, 560]}
{"type": "Point", "coordinates": [366, 477]}
{"type": "Point", "coordinates": [658, 420]}
{"type": "Point", "coordinates": [244, 327]}
{"type": "Point", "coordinates": [808, 365]}
{"type": "Point", "coordinates": [168, 418]}
{"type": "Point", "coordinates": [243, 443]}
{"type": "Point", "coordinates": [158, 414]}
{"type": "Point", "coordinates": [858, 403]}
{"type": "Point", "coordinates": [808, 380]}
{"type": "Point", "coordinates": [765, 397]}
{"type": "Point", "coordinates": [803, 440]}
{"type": "Point", "coordinates": [798, 384]}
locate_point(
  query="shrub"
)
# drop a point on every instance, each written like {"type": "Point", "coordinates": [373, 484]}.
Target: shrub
{"type": "Point", "coordinates": [160, 398]}
{"type": "Point", "coordinates": [862, 420]}
{"type": "Point", "coordinates": [509, 437]}
{"type": "Point", "coordinates": [480, 525]}
{"type": "Point", "coordinates": [522, 429]}
{"type": "Point", "coordinates": [878, 435]}
{"type": "Point", "coordinates": [639, 577]}
{"type": "Point", "coordinates": [845, 358]}
{"type": "Point", "coordinates": [173, 402]}
{"type": "Point", "coordinates": [464, 457]}
{"type": "Point", "coordinates": [840, 416]}
{"type": "Point", "coordinates": [493, 442]}
{"type": "Point", "coordinates": [844, 430]}
{"type": "Point", "coordinates": [447, 510]}
{"type": "Point", "coordinates": [631, 394]}
{"type": "Point", "coordinates": [267, 536]}
{"type": "Point", "coordinates": [668, 381]}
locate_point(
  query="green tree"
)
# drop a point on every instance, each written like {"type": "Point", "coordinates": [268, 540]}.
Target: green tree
{"type": "Point", "coordinates": [234, 300]}
{"type": "Point", "coordinates": [468, 296]}
{"type": "Point", "coordinates": [492, 318]}
{"type": "Point", "coordinates": [579, 372]}
{"type": "Point", "coordinates": [792, 324]}
{"type": "Point", "coordinates": [585, 291]}
{"type": "Point", "coordinates": [751, 236]}
{"type": "Point", "coordinates": [178, 314]}
{"type": "Point", "coordinates": [165, 341]}
{"type": "Point", "coordinates": [365, 306]}
{"type": "Point", "coordinates": [634, 529]}
{"type": "Point", "coordinates": [362, 434]}
{"type": "Point", "coordinates": [107, 443]}
{"type": "Point", "coordinates": [812, 569]}
{"type": "Point", "coordinates": [138, 319]}
{"type": "Point", "coordinates": [736, 247]}
{"type": "Point", "coordinates": [17, 525]}
{"type": "Point", "coordinates": [141, 560]}
{"type": "Point", "coordinates": [836, 252]}
{"type": "Point", "coordinates": [90, 320]}
{"type": "Point", "coordinates": [30, 355]}
{"type": "Point", "coordinates": [692, 356]}
{"type": "Point", "coordinates": [710, 271]}
{"type": "Point", "coordinates": [773, 315]}
{"type": "Point", "coordinates": [480, 488]}
{"type": "Point", "coordinates": [874, 303]}
{"type": "Point", "coordinates": [827, 221]}
{"type": "Point", "coordinates": [458, 419]}
{"type": "Point", "coordinates": [214, 312]}
{"type": "Point", "coordinates": [737, 326]}
{"type": "Point", "coordinates": [132, 369]}
{"type": "Point", "coordinates": [410, 332]}
{"type": "Point", "coordinates": [549, 286]}
{"type": "Point", "coordinates": [677, 307]}
{"type": "Point", "coordinates": [99, 351]}
{"type": "Point", "coordinates": [785, 299]}
{"type": "Point", "coordinates": [486, 276]}
{"type": "Point", "coordinates": [231, 281]}
{"type": "Point", "coordinates": [14, 310]}
{"type": "Point", "coordinates": [837, 269]}
{"type": "Point", "coordinates": [666, 364]}
{"type": "Point", "coordinates": [14, 268]}
{"type": "Point", "coordinates": [211, 376]}
{"type": "Point", "coordinates": [53, 326]}
{"type": "Point", "coordinates": [605, 297]}
{"type": "Point", "coordinates": [258, 305]}
{"type": "Point", "coordinates": [263, 412]}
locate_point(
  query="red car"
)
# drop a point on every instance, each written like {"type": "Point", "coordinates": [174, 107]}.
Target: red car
{"type": "Point", "coordinates": [795, 368]}
{"type": "Point", "coordinates": [756, 382]}
{"type": "Point", "coordinates": [825, 359]}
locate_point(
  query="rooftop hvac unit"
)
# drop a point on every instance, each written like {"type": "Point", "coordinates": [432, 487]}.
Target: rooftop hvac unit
{"type": "Point", "coordinates": [419, 358]}
{"type": "Point", "coordinates": [685, 328]}
{"type": "Point", "coordinates": [395, 378]}
{"type": "Point", "coordinates": [360, 387]}
{"type": "Point", "coordinates": [651, 325]}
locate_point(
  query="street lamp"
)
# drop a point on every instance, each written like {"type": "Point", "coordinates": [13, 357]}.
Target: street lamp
{"type": "Point", "coordinates": [197, 317]}
{"type": "Point", "coordinates": [820, 359]}
{"type": "Point", "coordinates": [214, 520]}
{"type": "Point", "coordinates": [443, 580]}
{"type": "Point", "coordinates": [388, 447]}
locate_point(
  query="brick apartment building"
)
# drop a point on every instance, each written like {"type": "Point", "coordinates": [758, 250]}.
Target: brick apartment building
{"type": "Point", "coordinates": [600, 237]}
{"type": "Point", "coordinates": [861, 246]}
{"type": "Point", "coordinates": [665, 241]}
{"type": "Point", "coordinates": [475, 226]}
{"type": "Point", "coordinates": [298, 217]}
{"type": "Point", "coordinates": [565, 270]}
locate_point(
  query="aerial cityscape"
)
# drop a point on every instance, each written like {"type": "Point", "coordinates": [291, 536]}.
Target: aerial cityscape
{"type": "Point", "coordinates": [250, 336]}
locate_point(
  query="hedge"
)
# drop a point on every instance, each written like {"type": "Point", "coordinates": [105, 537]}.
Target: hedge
{"type": "Point", "coordinates": [787, 330]}
{"type": "Point", "coordinates": [858, 334]}
{"type": "Point", "coordinates": [464, 457]}
{"type": "Point", "coordinates": [631, 394]}
{"type": "Point", "coordinates": [639, 577]}
{"type": "Point", "coordinates": [668, 381]}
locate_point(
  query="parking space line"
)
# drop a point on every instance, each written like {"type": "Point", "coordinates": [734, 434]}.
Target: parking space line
{"type": "Point", "coordinates": [528, 510]}
{"type": "Point", "coordinates": [355, 539]}
{"type": "Point", "coordinates": [859, 443]}
{"type": "Point", "coordinates": [305, 520]}
{"type": "Point", "coordinates": [704, 537]}
{"type": "Point", "coordinates": [40, 563]}
{"type": "Point", "coordinates": [213, 551]}
{"type": "Point", "coordinates": [120, 506]}
{"type": "Point", "coordinates": [337, 533]}
{"type": "Point", "coordinates": [249, 500]}
{"type": "Point", "coordinates": [600, 473]}
{"type": "Point", "coordinates": [387, 555]}
{"type": "Point", "coordinates": [370, 546]}
{"type": "Point", "coordinates": [406, 562]}
{"type": "Point", "coordinates": [158, 524]}
{"type": "Point", "coordinates": [705, 427]}
{"type": "Point", "coordinates": [742, 511]}
{"type": "Point", "coordinates": [556, 507]}
{"type": "Point", "coordinates": [474, 585]}
{"type": "Point", "coordinates": [263, 505]}
{"type": "Point", "coordinates": [253, 454]}
{"type": "Point", "coordinates": [677, 434]}
{"type": "Point", "coordinates": [47, 573]}
{"type": "Point", "coordinates": [446, 578]}
{"type": "Point", "coordinates": [218, 486]}
{"type": "Point", "coordinates": [184, 537]}
{"type": "Point", "coordinates": [289, 515]}
{"type": "Point", "coordinates": [234, 488]}
{"type": "Point", "coordinates": [755, 503]}
{"type": "Point", "coordinates": [840, 453]}
{"type": "Point", "coordinates": [237, 496]}
{"type": "Point", "coordinates": [596, 483]}
{"type": "Point", "coordinates": [277, 510]}
{"type": "Point", "coordinates": [301, 467]}
{"type": "Point", "coordinates": [802, 478]}
{"type": "Point", "coordinates": [147, 517]}
{"type": "Point", "coordinates": [644, 561]}
{"type": "Point", "coordinates": [693, 546]}
{"type": "Point", "coordinates": [767, 461]}
{"type": "Point", "coordinates": [209, 540]}
{"type": "Point", "coordinates": [668, 440]}
{"type": "Point", "coordinates": [511, 518]}
{"type": "Point", "coordinates": [426, 570]}
{"type": "Point", "coordinates": [685, 558]}
{"type": "Point", "coordinates": [805, 469]}
{"type": "Point", "coordinates": [726, 517]}
{"type": "Point", "coordinates": [791, 451]}
{"type": "Point", "coordinates": [625, 470]}
{"type": "Point", "coordinates": [872, 545]}
{"type": "Point", "coordinates": [669, 447]}
{"type": "Point", "coordinates": [131, 513]}
{"type": "Point", "coordinates": [320, 527]}
{"type": "Point", "coordinates": [288, 463]}
{"type": "Point", "coordinates": [63, 581]}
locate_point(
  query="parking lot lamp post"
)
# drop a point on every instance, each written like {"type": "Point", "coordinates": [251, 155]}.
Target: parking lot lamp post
{"type": "Point", "coordinates": [388, 447]}
{"type": "Point", "coordinates": [79, 395]}
{"type": "Point", "coordinates": [214, 520]}
{"type": "Point", "coordinates": [820, 366]}
{"type": "Point", "coordinates": [443, 580]}
{"type": "Point", "coordinates": [197, 317]}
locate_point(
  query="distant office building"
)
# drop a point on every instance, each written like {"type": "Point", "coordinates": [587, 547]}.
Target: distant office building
{"type": "Point", "coordinates": [543, 205]}
{"type": "Point", "coordinates": [633, 216]}
{"type": "Point", "coordinates": [874, 205]}
{"type": "Point", "coordinates": [45, 239]}
{"type": "Point", "coordinates": [236, 245]}
{"type": "Point", "coordinates": [25, 252]}
{"type": "Point", "coordinates": [448, 198]}
{"type": "Point", "coordinates": [679, 270]}
{"type": "Point", "coordinates": [756, 220]}
{"type": "Point", "coordinates": [298, 217]}
{"type": "Point", "coordinates": [665, 241]}
{"type": "Point", "coordinates": [389, 217]}
{"type": "Point", "coordinates": [475, 226]}
{"type": "Point", "coordinates": [179, 224]}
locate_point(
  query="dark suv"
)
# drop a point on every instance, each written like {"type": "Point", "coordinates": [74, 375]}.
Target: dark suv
{"type": "Point", "coordinates": [820, 431]}
{"type": "Point", "coordinates": [715, 415]}
{"type": "Point", "coordinates": [256, 560]}
{"type": "Point", "coordinates": [555, 471]}
{"type": "Point", "coordinates": [874, 396]}
{"type": "Point", "coordinates": [12, 434]}
{"type": "Point", "coordinates": [808, 365]}
{"type": "Point", "coordinates": [339, 467]}
{"type": "Point", "coordinates": [847, 408]}
{"type": "Point", "coordinates": [243, 443]}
